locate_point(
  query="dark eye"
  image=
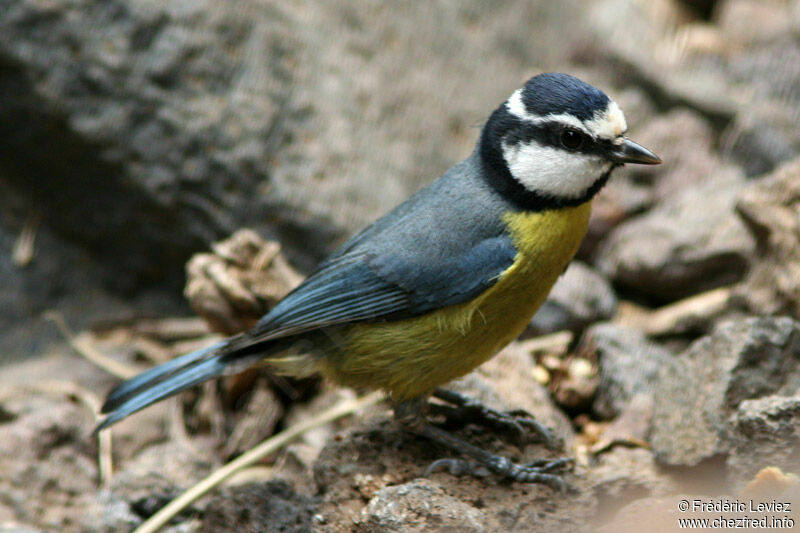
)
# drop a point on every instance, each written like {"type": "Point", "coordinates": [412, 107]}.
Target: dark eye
{"type": "Point", "coordinates": [571, 139]}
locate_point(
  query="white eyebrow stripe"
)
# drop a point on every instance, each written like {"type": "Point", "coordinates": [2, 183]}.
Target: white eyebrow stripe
{"type": "Point", "coordinates": [610, 123]}
{"type": "Point", "coordinates": [567, 120]}
{"type": "Point", "coordinates": [516, 107]}
{"type": "Point", "coordinates": [606, 124]}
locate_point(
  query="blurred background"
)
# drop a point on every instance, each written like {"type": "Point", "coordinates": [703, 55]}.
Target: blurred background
{"type": "Point", "coordinates": [136, 133]}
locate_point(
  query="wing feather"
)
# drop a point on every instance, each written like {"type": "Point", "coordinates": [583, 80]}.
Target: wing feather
{"type": "Point", "coordinates": [358, 287]}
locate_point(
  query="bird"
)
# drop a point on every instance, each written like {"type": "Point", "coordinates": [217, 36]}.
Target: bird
{"type": "Point", "coordinates": [442, 282]}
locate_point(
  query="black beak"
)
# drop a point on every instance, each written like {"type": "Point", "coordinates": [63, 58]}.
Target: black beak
{"type": "Point", "coordinates": [631, 152]}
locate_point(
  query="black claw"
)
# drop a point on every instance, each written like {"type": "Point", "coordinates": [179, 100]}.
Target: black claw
{"type": "Point", "coordinates": [551, 480]}
{"type": "Point", "coordinates": [544, 434]}
{"type": "Point", "coordinates": [457, 467]}
{"type": "Point", "coordinates": [518, 424]}
{"type": "Point", "coordinates": [411, 414]}
{"type": "Point", "coordinates": [538, 471]}
{"type": "Point", "coordinates": [550, 465]}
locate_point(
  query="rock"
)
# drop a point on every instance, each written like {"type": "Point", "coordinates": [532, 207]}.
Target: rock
{"type": "Point", "coordinates": [771, 209]}
{"type": "Point", "coordinates": [691, 242]}
{"type": "Point", "coordinates": [694, 315]}
{"type": "Point", "coordinates": [698, 390]}
{"type": "Point", "coordinates": [765, 432]}
{"type": "Point", "coordinates": [136, 133]}
{"type": "Point", "coordinates": [773, 482]}
{"type": "Point", "coordinates": [271, 506]}
{"type": "Point", "coordinates": [377, 451]}
{"type": "Point", "coordinates": [149, 135]}
{"type": "Point", "coordinates": [684, 142]}
{"type": "Point", "coordinates": [756, 143]}
{"type": "Point", "coordinates": [133, 106]}
{"type": "Point", "coordinates": [580, 297]}
{"type": "Point", "coordinates": [620, 473]}
{"type": "Point", "coordinates": [574, 389]}
{"type": "Point", "coordinates": [704, 9]}
{"type": "Point", "coordinates": [622, 198]}
{"type": "Point", "coordinates": [49, 465]}
{"type": "Point", "coordinates": [744, 21]}
{"type": "Point", "coordinates": [628, 364]}
{"type": "Point", "coordinates": [159, 473]}
{"type": "Point", "coordinates": [764, 133]}
{"type": "Point", "coordinates": [630, 428]}
{"type": "Point", "coordinates": [661, 513]}
{"type": "Point", "coordinates": [14, 527]}
{"type": "Point", "coordinates": [657, 512]}
{"type": "Point", "coordinates": [420, 505]}
{"type": "Point", "coordinates": [59, 276]}
{"type": "Point", "coordinates": [108, 512]}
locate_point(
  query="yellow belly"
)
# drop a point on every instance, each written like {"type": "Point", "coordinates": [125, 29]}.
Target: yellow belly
{"type": "Point", "coordinates": [409, 358]}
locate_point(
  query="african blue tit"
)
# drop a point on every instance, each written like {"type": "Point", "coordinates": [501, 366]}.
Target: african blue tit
{"type": "Point", "coordinates": [444, 281]}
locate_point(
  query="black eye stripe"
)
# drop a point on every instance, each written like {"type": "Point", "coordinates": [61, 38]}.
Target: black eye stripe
{"type": "Point", "coordinates": [548, 134]}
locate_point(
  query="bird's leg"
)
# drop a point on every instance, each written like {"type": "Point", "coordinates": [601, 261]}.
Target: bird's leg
{"type": "Point", "coordinates": [411, 415]}
{"type": "Point", "coordinates": [517, 424]}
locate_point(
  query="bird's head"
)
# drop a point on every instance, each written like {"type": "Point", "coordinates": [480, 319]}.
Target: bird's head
{"type": "Point", "coordinates": [554, 142]}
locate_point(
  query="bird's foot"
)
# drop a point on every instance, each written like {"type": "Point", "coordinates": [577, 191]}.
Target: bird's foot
{"type": "Point", "coordinates": [544, 471]}
{"type": "Point", "coordinates": [518, 425]}
{"type": "Point", "coordinates": [410, 414]}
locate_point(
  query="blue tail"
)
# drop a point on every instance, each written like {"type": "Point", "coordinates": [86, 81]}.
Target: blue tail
{"type": "Point", "coordinates": [168, 379]}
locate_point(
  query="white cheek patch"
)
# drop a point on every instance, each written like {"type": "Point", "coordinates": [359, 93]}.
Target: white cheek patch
{"type": "Point", "coordinates": [553, 172]}
{"type": "Point", "coordinates": [608, 124]}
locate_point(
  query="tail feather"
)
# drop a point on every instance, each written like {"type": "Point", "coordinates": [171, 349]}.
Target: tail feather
{"type": "Point", "coordinates": [147, 379]}
{"type": "Point", "coordinates": [171, 378]}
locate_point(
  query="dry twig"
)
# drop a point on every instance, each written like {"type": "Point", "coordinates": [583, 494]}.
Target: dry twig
{"type": "Point", "coordinates": [85, 349]}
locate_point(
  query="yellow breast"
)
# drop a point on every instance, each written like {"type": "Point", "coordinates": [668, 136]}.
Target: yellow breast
{"type": "Point", "coordinates": [409, 358]}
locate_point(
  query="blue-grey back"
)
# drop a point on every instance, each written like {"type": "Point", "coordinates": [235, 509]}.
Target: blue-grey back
{"type": "Point", "coordinates": [454, 212]}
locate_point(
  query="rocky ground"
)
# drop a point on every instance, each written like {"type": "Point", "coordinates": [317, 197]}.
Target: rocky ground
{"type": "Point", "coordinates": [136, 134]}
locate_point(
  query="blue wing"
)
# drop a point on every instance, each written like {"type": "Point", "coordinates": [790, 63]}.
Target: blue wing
{"type": "Point", "coordinates": [359, 287]}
